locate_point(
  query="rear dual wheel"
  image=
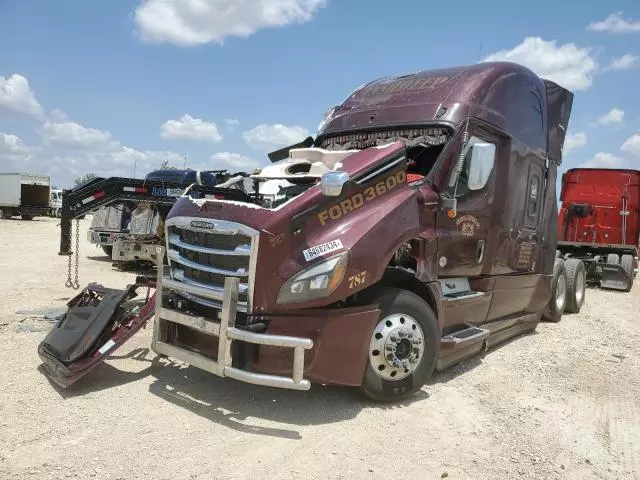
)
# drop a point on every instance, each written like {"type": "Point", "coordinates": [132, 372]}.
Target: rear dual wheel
{"type": "Point", "coordinates": [627, 264]}
{"type": "Point", "coordinates": [567, 289]}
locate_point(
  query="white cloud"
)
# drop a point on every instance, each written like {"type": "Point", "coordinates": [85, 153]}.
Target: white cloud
{"type": "Point", "coordinates": [68, 149]}
{"type": "Point", "coordinates": [614, 116]}
{"type": "Point", "coordinates": [71, 135]}
{"type": "Point", "coordinates": [12, 149]}
{"type": "Point", "coordinates": [574, 141]}
{"type": "Point", "coordinates": [623, 63]}
{"type": "Point", "coordinates": [196, 22]}
{"type": "Point", "coordinates": [603, 160]}
{"type": "Point", "coordinates": [16, 96]}
{"type": "Point", "coordinates": [231, 121]}
{"type": "Point", "coordinates": [190, 128]}
{"type": "Point", "coordinates": [632, 145]}
{"type": "Point", "coordinates": [269, 137]}
{"type": "Point", "coordinates": [568, 65]}
{"type": "Point", "coordinates": [235, 161]}
{"type": "Point", "coordinates": [614, 23]}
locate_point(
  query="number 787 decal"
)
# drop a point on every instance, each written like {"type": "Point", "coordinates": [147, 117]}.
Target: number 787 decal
{"type": "Point", "coordinates": [357, 279]}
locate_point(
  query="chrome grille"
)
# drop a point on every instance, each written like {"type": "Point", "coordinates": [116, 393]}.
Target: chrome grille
{"type": "Point", "coordinates": [206, 251]}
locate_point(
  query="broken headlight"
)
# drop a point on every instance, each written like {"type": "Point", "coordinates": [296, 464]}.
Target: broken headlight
{"type": "Point", "coordinates": [318, 281]}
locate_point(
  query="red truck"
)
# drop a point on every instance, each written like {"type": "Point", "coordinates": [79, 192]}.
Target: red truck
{"type": "Point", "coordinates": [416, 230]}
{"type": "Point", "coordinates": [599, 223]}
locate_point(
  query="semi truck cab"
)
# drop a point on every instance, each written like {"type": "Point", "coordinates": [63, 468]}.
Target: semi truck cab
{"type": "Point", "coordinates": [417, 229]}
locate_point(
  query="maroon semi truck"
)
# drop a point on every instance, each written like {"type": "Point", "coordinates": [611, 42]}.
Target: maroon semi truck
{"type": "Point", "coordinates": [416, 230]}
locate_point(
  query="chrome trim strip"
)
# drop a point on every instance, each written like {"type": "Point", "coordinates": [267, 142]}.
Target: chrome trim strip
{"type": "Point", "coordinates": [380, 170]}
{"type": "Point", "coordinates": [174, 238]}
{"type": "Point", "coordinates": [176, 257]}
{"type": "Point", "coordinates": [253, 260]}
{"type": "Point", "coordinates": [179, 274]}
{"type": "Point", "coordinates": [223, 227]}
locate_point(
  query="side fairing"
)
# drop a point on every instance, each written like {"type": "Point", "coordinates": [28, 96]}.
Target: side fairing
{"type": "Point", "coordinates": [559, 104]}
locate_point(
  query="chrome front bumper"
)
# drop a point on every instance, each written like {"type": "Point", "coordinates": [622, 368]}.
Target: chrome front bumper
{"type": "Point", "coordinates": [226, 332]}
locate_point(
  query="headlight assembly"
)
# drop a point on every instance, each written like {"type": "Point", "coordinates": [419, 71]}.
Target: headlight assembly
{"type": "Point", "coordinates": [318, 281]}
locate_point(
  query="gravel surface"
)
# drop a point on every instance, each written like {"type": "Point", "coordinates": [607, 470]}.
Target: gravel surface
{"type": "Point", "coordinates": [561, 403]}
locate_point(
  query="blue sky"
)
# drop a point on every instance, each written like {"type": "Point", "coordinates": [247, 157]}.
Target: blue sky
{"type": "Point", "coordinates": [92, 86]}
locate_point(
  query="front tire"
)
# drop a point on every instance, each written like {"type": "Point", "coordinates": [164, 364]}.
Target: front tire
{"type": "Point", "coordinates": [107, 249]}
{"type": "Point", "coordinates": [26, 217]}
{"type": "Point", "coordinates": [555, 308]}
{"type": "Point", "coordinates": [403, 347]}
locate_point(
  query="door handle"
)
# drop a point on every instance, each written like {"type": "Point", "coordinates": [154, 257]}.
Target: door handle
{"type": "Point", "coordinates": [480, 251]}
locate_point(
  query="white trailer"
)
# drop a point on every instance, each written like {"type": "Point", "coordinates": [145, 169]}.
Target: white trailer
{"type": "Point", "coordinates": [24, 194]}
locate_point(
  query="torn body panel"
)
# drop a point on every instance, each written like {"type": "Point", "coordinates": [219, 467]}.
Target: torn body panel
{"type": "Point", "coordinates": [98, 321]}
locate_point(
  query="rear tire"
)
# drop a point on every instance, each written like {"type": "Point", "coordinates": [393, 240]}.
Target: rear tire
{"type": "Point", "coordinates": [404, 344]}
{"type": "Point", "coordinates": [107, 249]}
{"type": "Point", "coordinates": [627, 264]}
{"type": "Point", "coordinates": [26, 217]}
{"type": "Point", "coordinates": [613, 258]}
{"type": "Point", "coordinates": [576, 280]}
{"type": "Point", "coordinates": [556, 305]}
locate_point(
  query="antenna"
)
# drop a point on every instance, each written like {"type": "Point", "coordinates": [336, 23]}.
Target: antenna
{"type": "Point", "coordinates": [184, 167]}
{"type": "Point", "coordinates": [463, 151]}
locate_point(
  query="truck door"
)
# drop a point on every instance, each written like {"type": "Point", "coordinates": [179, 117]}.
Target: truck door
{"type": "Point", "coordinates": [525, 232]}
{"type": "Point", "coordinates": [463, 235]}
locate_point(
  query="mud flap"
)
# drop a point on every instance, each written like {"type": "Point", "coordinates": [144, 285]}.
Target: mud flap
{"type": "Point", "coordinates": [98, 321]}
{"type": "Point", "coordinates": [613, 276]}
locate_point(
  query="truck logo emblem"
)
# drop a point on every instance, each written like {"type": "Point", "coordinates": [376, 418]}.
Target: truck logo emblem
{"type": "Point", "coordinates": [357, 200]}
{"type": "Point", "coordinates": [319, 250]}
{"type": "Point", "coordinates": [201, 224]}
{"type": "Point", "coordinates": [468, 225]}
{"type": "Point", "coordinates": [450, 286]}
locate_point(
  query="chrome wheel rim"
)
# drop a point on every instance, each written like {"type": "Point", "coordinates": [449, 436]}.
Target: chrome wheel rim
{"type": "Point", "coordinates": [396, 347]}
{"type": "Point", "coordinates": [580, 287]}
{"type": "Point", "coordinates": [561, 293]}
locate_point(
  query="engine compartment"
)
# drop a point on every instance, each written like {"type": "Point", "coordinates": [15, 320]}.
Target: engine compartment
{"type": "Point", "coordinates": [285, 179]}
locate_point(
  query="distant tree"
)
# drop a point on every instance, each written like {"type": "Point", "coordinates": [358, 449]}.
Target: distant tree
{"type": "Point", "coordinates": [84, 178]}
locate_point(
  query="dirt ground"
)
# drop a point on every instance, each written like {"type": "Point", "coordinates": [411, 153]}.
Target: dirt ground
{"type": "Point", "coordinates": [561, 403]}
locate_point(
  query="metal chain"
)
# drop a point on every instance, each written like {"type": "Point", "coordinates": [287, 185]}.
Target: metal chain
{"type": "Point", "coordinates": [76, 284]}
{"type": "Point", "coordinates": [68, 283]}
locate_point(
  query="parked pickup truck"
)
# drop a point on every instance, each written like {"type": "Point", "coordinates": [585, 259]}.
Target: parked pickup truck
{"type": "Point", "coordinates": [418, 230]}
{"type": "Point", "coordinates": [24, 194]}
{"type": "Point", "coordinates": [599, 223]}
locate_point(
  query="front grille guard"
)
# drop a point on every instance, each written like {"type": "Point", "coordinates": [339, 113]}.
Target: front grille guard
{"type": "Point", "coordinates": [226, 332]}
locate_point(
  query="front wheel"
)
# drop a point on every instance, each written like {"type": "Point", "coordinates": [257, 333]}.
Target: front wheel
{"type": "Point", "coordinates": [107, 249]}
{"type": "Point", "coordinates": [403, 347]}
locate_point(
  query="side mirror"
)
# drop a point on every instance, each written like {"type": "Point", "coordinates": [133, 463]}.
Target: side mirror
{"type": "Point", "coordinates": [480, 164]}
{"type": "Point", "coordinates": [331, 183]}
